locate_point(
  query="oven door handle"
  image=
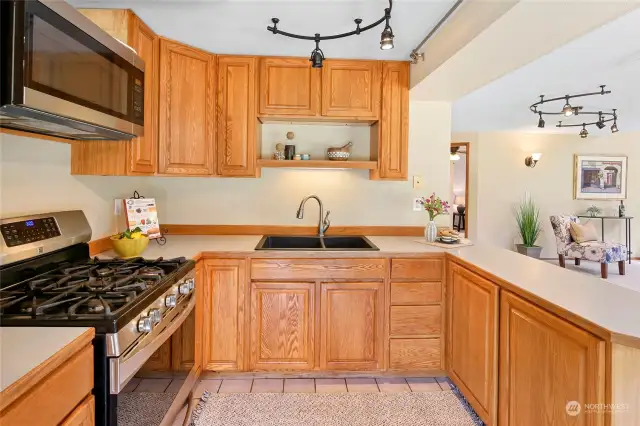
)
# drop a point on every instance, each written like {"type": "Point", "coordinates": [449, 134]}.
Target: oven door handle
{"type": "Point", "coordinates": [121, 371]}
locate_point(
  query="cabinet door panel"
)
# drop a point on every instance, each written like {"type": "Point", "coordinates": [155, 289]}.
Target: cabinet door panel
{"type": "Point", "coordinates": [546, 362]}
{"type": "Point", "coordinates": [415, 321]}
{"type": "Point", "coordinates": [282, 326]}
{"type": "Point", "coordinates": [473, 339]}
{"type": "Point", "coordinates": [351, 326]}
{"type": "Point", "coordinates": [83, 415]}
{"type": "Point", "coordinates": [351, 88]}
{"type": "Point", "coordinates": [237, 118]}
{"type": "Point", "coordinates": [143, 151]}
{"type": "Point", "coordinates": [187, 80]}
{"type": "Point", "coordinates": [393, 129]}
{"type": "Point", "coordinates": [289, 86]}
{"type": "Point", "coordinates": [415, 354]}
{"type": "Point", "coordinates": [223, 319]}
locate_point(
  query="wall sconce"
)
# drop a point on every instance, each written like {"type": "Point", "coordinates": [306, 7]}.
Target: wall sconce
{"type": "Point", "coordinates": [532, 160]}
{"type": "Point", "coordinates": [454, 153]}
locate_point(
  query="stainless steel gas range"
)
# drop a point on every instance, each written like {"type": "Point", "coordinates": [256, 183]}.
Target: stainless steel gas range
{"type": "Point", "coordinates": [47, 278]}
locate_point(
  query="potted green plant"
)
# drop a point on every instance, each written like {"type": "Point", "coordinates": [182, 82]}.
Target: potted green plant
{"type": "Point", "coordinates": [529, 228]}
{"type": "Point", "coordinates": [594, 211]}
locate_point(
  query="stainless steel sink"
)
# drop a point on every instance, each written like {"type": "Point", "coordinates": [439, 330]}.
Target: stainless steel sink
{"type": "Point", "coordinates": [315, 243]}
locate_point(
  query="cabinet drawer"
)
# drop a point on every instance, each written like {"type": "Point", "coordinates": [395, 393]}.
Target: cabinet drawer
{"type": "Point", "coordinates": [54, 397]}
{"type": "Point", "coordinates": [416, 293]}
{"type": "Point", "coordinates": [417, 269]}
{"type": "Point", "coordinates": [414, 354]}
{"type": "Point", "coordinates": [415, 320]}
{"type": "Point", "coordinates": [314, 269]}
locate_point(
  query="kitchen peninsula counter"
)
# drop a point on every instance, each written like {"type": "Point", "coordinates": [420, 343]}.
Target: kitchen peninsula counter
{"type": "Point", "coordinates": [614, 308]}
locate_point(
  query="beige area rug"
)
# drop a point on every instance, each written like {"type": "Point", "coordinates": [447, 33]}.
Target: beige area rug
{"type": "Point", "coordinates": [143, 408]}
{"type": "Point", "coordinates": [341, 409]}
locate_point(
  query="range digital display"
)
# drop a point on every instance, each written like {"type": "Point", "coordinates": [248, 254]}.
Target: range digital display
{"type": "Point", "coordinates": [29, 223]}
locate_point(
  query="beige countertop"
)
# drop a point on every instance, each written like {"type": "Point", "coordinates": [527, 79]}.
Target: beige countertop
{"type": "Point", "coordinates": [24, 348]}
{"type": "Point", "coordinates": [607, 305]}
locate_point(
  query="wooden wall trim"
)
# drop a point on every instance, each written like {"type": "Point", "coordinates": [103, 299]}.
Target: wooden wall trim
{"type": "Point", "coordinates": [394, 231]}
{"type": "Point", "coordinates": [100, 245]}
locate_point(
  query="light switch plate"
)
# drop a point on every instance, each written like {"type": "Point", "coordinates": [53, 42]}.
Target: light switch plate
{"type": "Point", "coordinates": [417, 205]}
{"type": "Point", "coordinates": [417, 181]}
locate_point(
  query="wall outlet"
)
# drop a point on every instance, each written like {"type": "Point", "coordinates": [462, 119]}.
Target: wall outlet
{"type": "Point", "coordinates": [417, 205]}
{"type": "Point", "coordinates": [417, 182]}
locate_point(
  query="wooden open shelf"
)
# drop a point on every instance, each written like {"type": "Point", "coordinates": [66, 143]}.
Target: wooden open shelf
{"type": "Point", "coordinates": [319, 164]}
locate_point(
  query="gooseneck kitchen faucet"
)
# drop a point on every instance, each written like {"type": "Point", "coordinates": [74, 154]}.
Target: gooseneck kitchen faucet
{"type": "Point", "coordinates": [323, 225]}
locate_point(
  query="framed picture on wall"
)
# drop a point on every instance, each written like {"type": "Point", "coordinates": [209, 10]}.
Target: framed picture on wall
{"type": "Point", "coordinates": [600, 177]}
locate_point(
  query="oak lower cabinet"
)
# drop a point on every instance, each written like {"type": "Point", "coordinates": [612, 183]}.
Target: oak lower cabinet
{"type": "Point", "coordinates": [223, 314]}
{"type": "Point", "coordinates": [236, 114]}
{"type": "Point", "coordinates": [282, 326]}
{"type": "Point", "coordinates": [472, 339]}
{"type": "Point", "coordinates": [83, 415]}
{"type": "Point", "coordinates": [351, 326]}
{"type": "Point", "coordinates": [351, 88]}
{"type": "Point", "coordinates": [187, 110]}
{"type": "Point", "coordinates": [545, 363]}
{"type": "Point", "coordinates": [289, 86]}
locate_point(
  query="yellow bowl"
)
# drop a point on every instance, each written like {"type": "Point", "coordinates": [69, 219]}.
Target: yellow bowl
{"type": "Point", "coordinates": [127, 248]}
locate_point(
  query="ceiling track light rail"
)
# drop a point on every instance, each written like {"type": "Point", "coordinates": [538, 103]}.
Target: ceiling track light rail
{"type": "Point", "coordinates": [415, 55]}
{"type": "Point", "coordinates": [317, 56]}
{"type": "Point", "coordinates": [568, 110]}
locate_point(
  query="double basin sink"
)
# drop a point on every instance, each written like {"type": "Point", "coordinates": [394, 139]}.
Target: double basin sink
{"type": "Point", "coordinates": [316, 243]}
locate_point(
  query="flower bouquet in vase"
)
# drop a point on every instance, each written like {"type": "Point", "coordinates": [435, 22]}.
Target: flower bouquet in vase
{"type": "Point", "coordinates": [435, 206]}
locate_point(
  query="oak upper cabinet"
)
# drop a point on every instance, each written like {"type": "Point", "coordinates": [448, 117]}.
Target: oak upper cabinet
{"type": "Point", "coordinates": [351, 88]}
{"type": "Point", "coordinates": [282, 326]}
{"type": "Point", "coordinates": [237, 115]}
{"type": "Point", "coordinates": [187, 117]}
{"type": "Point", "coordinates": [223, 314]}
{"type": "Point", "coordinates": [289, 86]}
{"type": "Point", "coordinates": [351, 326]}
{"type": "Point", "coordinates": [472, 339]}
{"type": "Point", "coordinates": [546, 362]}
{"type": "Point", "coordinates": [390, 136]}
{"type": "Point", "coordinates": [139, 156]}
{"type": "Point", "coordinates": [143, 151]}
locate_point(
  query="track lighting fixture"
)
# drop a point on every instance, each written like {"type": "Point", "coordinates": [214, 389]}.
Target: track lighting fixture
{"type": "Point", "coordinates": [569, 110]}
{"type": "Point", "coordinates": [454, 153]}
{"type": "Point", "coordinates": [386, 39]}
{"type": "Point", "coordinates": [584, 133]}
{"type": "Point", "coordinates": [317, 56]}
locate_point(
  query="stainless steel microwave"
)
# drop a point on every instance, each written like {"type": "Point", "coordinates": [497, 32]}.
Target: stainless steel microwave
{"type": "Point", "coordinates": [62, 75]}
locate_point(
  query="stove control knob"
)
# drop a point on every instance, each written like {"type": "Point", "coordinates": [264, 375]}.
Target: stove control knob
{"type": "Point", "coordinates": [155, 315]}
{"type": "Point", "coordinates": [144, 325]}
{"type": "Point", "coordinates": [184, 288]}
{"type": "Point", "coordinates": [170, 301]}
{"type": "Point", "coordinates": [192, 283]}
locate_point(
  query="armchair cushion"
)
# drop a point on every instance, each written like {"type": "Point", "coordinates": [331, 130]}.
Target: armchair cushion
{"type": "Point", "coordinates": [597, 251]}
{"type": "Point", "coordinates": [583, 233]}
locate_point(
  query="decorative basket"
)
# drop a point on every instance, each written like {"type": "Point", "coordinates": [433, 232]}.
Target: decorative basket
{"type": "Point", "coordinates": [339, 154]}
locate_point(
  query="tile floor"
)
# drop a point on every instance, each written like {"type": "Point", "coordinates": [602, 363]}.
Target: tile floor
{"type": "Point", "coordinates": [295, 385]}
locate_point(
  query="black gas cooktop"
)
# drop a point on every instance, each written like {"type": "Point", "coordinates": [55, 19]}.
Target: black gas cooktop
{"type": "Point", "coordinates": [101, 293]}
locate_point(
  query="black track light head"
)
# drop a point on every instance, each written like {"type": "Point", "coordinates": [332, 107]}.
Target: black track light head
{"type": "Point", "coordinates": [600, 122]}
{"type": "Point", "coordinates": [567, 109]}
{"type": "Point", "coordinates": [584, 133]}
{"type": "Point", "coordinates": [317, 56]}
{"type": "Point", "coordinates": [386, 38]}
{"type": "Point", "coordinates": [541, 122]}
{"type": "Point", "coordinates": [614, 127]}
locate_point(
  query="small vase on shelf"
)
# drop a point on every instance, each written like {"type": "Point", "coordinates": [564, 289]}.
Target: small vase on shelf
{"type": "Point", "coordinates": [431, 231]}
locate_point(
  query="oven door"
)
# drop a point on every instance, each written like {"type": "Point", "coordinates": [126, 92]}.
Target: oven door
{"type": "Point", "coordinates": [63, 66]}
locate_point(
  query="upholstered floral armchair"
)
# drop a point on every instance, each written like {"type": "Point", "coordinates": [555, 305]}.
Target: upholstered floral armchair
{"type": "Point", "coordinates": [595, 251]}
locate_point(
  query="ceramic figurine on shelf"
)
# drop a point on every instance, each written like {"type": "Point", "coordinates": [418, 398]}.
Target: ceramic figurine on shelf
{"type": "Point", "coordinates": [621, 209]}
{"type": "Point", "coordinates": [279, 154]}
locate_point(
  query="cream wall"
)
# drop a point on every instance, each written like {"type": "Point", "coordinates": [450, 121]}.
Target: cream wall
{"type": "Point", "coordinates": [35, 178]}
{"type": "Point", "coordinates": [499, 180]}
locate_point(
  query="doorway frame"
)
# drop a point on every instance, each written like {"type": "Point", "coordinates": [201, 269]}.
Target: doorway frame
{"type": "Point", "coordinates": [467, 146]}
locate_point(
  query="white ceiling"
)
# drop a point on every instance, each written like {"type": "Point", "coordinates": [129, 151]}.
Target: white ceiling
{"type": "Point", "coordinates": [609, 55]}
{"type": "Point", "coordinates": [240, 27]}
